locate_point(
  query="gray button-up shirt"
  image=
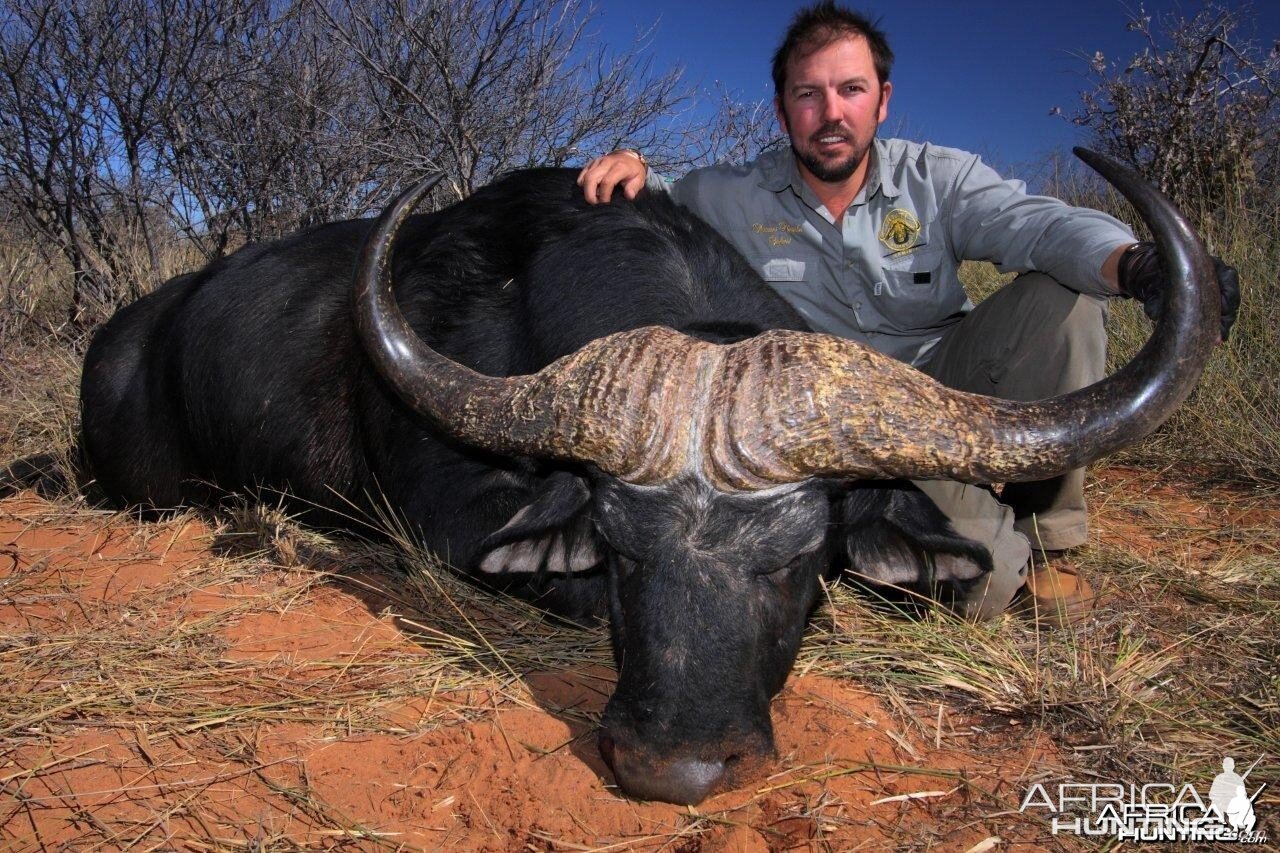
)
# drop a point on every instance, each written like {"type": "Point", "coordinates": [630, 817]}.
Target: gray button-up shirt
{"type": "Point", "coordinates": [886, 275]}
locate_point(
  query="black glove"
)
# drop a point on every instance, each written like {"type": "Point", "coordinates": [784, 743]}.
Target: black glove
{"type": "Point", "coordinates": [1142, 277]}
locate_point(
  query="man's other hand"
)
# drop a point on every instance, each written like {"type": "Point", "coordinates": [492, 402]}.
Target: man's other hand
{"type": "Point", "coordinates": [1141, 275]}
{"type": "Point", "coordinates": [603, 175]}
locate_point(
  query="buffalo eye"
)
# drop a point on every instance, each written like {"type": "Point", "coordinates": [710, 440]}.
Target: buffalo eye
{"type": "Point", "coordinates": [782, 573]}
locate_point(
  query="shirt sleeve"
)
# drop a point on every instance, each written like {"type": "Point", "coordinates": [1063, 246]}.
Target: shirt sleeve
{"type": "Point", "coordinates": [686, 190]}
{"type": "Point", "coordinates": [656, 183]}
{"type": "Point", "coordinates": [707, 194]}
{"type": "Point", "coordinates": [992, 219]}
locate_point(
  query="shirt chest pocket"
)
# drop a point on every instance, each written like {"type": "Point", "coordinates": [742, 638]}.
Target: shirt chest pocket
{"type": "Point", "coordinates": [917, 289]}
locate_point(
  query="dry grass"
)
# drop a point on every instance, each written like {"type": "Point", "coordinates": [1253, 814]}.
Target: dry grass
{"type": "Point", "coordinates": [36, 287]}
{"type": "Point", "coordinates": [1179, 669]}
{"type": "Point", "coordinates": [39, 387]}
{"type": "Point", "coordinates": [154, 669]}
{"type": "Point", "coordinates": [1176, 671]}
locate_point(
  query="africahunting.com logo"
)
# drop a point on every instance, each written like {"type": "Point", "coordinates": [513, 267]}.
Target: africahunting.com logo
{"type": "Point", "coordinates": [1152, 812]}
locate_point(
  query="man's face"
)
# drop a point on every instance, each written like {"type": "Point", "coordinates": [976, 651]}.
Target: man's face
{"type": "Point", "coordinates": [831, 105]}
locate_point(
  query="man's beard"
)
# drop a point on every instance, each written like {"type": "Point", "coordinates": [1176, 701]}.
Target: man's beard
{"type": "Point", "coordinates": [833, 173]}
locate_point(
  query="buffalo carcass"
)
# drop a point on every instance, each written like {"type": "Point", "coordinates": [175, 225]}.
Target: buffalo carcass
{"type": "Point", "coordinates": [581, 405]}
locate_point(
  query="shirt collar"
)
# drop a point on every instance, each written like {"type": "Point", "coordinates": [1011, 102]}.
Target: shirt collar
{"type": "Point", "coordinates": [879, 179]}
{"type": "Point", "coordinates": [779, 171]}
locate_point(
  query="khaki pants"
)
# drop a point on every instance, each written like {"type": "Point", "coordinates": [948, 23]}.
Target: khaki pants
{"type": "Point", "coordinates": [1029, 340]}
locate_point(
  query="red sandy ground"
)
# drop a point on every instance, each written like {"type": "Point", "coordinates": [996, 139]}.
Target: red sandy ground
{"type": "Point", "coordinates": [506, 768]}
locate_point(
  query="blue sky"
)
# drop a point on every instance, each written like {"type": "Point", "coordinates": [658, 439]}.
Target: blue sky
{"type": "Point", "coordinates": [981, 75]}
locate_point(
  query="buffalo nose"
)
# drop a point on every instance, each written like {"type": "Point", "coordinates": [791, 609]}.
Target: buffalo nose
{"type": "Point", "coordinates": [685, 781]}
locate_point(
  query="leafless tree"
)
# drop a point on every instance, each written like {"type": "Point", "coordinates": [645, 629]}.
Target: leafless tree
{"type": "Point", "coordinates": [1195, 110]}
{"type": "Point", "coordinates": [476, 87]}
{"type": "Point", "coordinates": [82, 85]}
{"type": "Point", "coordinates": [128, 124]}
{"type": "Point", "coordinates": [52, 136]}
{"type": "Point", "coordinates": [740, 130]}
{"type": "Point", "coordinates": [258, 145]}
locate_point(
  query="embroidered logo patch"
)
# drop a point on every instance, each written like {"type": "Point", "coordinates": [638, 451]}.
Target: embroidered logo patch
{"type": "Point", "coordinates": [900, 230]}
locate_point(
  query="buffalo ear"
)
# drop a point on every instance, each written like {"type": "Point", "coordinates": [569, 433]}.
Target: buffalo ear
{"type": "Point", "coordinates": [552, 533]}
{"type": "Point", "coordinates": [894, 534]}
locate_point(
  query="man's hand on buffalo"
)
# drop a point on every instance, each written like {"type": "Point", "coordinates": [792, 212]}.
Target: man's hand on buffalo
{"type": "Point", "coordinates": [1142, 276]}
{"type": "Point", "coordinates": [600, 177]}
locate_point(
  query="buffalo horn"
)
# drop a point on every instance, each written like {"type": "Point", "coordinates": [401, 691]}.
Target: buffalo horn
{"type": "Point", "coordinates": [599, 404]}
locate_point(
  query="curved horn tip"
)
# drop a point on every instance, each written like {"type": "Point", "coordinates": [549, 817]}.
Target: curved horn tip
{"type": "Point", "coordinates": [1084, 153]}
{"type": "Point", "coordinates": [412, 196]}
{"type": "Point", "coordinates": [430, 180]}
{"type": "Point", "coordinates": [1103, 164]}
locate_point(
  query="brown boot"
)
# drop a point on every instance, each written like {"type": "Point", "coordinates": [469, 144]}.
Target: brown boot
{"type": "Point", "coordinates": [1056, 594]}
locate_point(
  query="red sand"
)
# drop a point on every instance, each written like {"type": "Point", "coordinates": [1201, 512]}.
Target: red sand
{"type": "Point", "coordinates": [496, 768]}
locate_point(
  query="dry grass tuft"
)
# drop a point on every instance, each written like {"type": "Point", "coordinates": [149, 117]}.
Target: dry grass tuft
{"type": "Point", "coordinates": [39, 384]}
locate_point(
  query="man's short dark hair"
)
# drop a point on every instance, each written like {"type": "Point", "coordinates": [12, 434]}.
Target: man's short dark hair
{"type": "Point", "coordinates": [822, 24]}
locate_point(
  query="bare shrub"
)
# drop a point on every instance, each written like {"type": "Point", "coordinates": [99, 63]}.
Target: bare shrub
{"type": "Point", "coordinates": [475, 88]}
{"type": "Point", "coordinates": [131, 128]}
{"type": "Point", "coordinates": [84, 86]}
{"type": "Point", "coordinates": [1195, 110]}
